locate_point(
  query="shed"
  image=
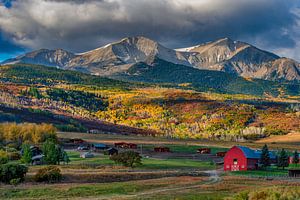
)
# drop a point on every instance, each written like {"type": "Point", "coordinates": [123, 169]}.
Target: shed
{"type": "Point", "coordinates": [98, 146]}
{"type": "Point", "coordinates": [112, 151]}
{"type": "Point", "coordinates": [126, 145]}
{"type": "Point", "coordinates": [240, 158]}
{"type": "Point", "coordinates": [120, 144]}
{"type": "Point", "coordinates": [291, 159]}
{"type": "Point", "coordinates": [162, 149]}
{"type": "Point", "coordinates": [204, 150]}
{"type": "Point", "coordinates": [77, 141]}
{"type": "Point", "coordinates": [221, 154]}
{"type": "Point", "coordinates": [294, 172]}
{"type": "Point", "coordinates": [87, 155]}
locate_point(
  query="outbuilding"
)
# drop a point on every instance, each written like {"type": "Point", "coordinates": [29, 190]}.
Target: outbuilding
{"type": "Point", "coordinates": [97, 146]}
{"type": "Point", "coordinates": [126, 145]}
{"type": "Point", "coordinates": [291, 159]}
{"type": "Point", "coordinates": [112, 151]}
{"type": "Point", "coordinates": [204, 150]}
{"type": "Point", "coordinates": [240, 158]}
{"type": "Point", "coordinates": [162, 149]}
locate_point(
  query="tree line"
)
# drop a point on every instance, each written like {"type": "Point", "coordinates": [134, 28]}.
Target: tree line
{"type": "Point", "coordinates": [26, 133]}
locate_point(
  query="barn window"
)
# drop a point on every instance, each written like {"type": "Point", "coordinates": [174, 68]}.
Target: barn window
{"type": "Point", "coordinates": [235, 161]}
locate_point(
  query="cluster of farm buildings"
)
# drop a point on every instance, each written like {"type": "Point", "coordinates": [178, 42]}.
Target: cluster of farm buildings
{"type": "Point", "coordinates": [237, 158]}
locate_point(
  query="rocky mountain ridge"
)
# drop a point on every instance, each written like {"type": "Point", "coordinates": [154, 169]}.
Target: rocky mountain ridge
{"type": "Point", "coordinates": [225, 55]}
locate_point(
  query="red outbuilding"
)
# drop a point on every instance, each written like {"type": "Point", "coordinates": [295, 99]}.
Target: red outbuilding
{"type": "Point", "coordinates": [291, 159]}
{"type": "Point", "coordinates": [204, 150]}
{"type": "Point", "coordinates": [162, 149]}
{"type": "Point", "coordinates": [126, 145]}
{"type": "Point", "coordinates": [240, 158]}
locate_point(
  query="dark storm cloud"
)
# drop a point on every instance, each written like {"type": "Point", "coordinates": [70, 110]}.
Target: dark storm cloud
{"type": "Point", "coordinates": [82, 25]}
{"type": "Point", "coordinates": [8, 47]}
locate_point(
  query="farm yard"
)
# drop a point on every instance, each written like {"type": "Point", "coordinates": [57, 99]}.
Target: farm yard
{"type": "Point", "coordinates": [180, 173]}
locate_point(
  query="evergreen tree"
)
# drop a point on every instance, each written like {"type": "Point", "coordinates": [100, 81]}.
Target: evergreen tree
{"type": "Point", "coordinates": [66, 158]}
{"type": "Point", "coordinates": [283, 159]}
{"type": "Point", "coordinates": [51, 152]}
{"type": "Point", "coordinates": [265, 157]}
{"type": "Point", "coordinates": [27, 154]}
{"type": "Point", "coordinates": [296, 157]}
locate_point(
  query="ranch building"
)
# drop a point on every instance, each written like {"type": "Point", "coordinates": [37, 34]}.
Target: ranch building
{"type": "Point", "coordinates": [240, 158]}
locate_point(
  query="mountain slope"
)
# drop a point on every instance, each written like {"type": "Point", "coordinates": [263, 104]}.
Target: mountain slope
{"type": "Point", "coordinates": [117, 56]}
{"type": "Point", "coordinates": [224, 55]}
{"type": "Point", "coordinates": [160, 71]}
{"type": "Point", "coordinates": [54, 58]}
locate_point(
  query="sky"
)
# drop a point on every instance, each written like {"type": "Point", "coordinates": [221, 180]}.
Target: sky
{"type": "Point", "coordinates": [81, 25]}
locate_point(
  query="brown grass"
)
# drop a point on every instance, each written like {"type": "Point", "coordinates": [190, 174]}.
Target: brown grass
{"type": "Point", "coordinates": [292, 138]}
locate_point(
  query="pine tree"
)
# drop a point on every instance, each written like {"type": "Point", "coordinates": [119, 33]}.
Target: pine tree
{"type": "Point", "coordinates": [265, 157]}
{"type": "Point", "coordinates": [66, 158]}
{"type": "Point", "coordinates": [296, 157]}
{"type": "Point", "coordinates": [283, 159]}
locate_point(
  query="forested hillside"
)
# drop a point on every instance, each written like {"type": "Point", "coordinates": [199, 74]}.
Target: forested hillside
{"type": "Point", "coordinates": [216, 106]}
{"type": "Point", "coordinates": [161, 71]}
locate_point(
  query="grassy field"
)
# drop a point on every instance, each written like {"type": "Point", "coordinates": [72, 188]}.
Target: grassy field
{"type": "Point", "coordinates": [180, 188]}
{"type": "Point", "coordinates": [126, 190]}
{"type": "Point", "coordinates": [148, 163]}
{"type": "Point", "coordinates": [292, 138]}
{"type": "Point", "coordinates": [182, 148]}
{"type": "Point", "coordinates": [157, 178]}
{"type": "Point", "coordinates": [273, 172]}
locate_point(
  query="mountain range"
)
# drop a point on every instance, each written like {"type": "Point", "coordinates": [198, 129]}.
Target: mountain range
{"type": "Point", "coordinates": [125, 58]}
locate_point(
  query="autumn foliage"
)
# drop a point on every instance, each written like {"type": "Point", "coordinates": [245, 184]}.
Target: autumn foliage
{"type": "Point", "coordinates": [26, 132]}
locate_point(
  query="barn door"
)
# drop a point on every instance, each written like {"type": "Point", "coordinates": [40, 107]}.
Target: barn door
{"type": "Point", "coordinates": [235, 166]}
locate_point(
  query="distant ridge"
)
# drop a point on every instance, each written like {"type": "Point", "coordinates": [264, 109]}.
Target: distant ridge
{"type": "Point", "coordinates": [227, 55]}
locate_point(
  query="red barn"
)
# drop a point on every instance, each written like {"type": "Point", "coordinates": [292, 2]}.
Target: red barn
{"type": "Point", "coordinates": [240, 158]}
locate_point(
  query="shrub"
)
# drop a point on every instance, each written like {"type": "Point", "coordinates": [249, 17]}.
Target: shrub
{"type": "Point", "coordinates": [127, 159]}
{"type": "Point", "coordinates": [50, 174]}
{"type": "Point", "coordinates": [9, 172]}
{"type": "Point", "coordinates": [14, 156]}
{"type": "Point", "coordinates": [15, 181]}
{"type": "Point", "coordinates": [27, 154]}
{"type": "Point", "coordinates": [3, 157]}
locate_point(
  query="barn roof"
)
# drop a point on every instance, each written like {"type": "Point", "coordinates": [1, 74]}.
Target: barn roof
{"type": "Point", "coordinates": [250, 153]}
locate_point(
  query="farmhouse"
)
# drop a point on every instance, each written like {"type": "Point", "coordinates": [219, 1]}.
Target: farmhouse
{"type": "Point", "coordinates": [240, 158]}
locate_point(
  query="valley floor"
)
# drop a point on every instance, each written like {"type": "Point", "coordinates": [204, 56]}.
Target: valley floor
{"type": "Point", "coordinates": [180, 174]}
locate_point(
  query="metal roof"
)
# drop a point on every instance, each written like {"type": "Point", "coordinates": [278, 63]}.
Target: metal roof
{"type": "Point", "coordinates": [100, 145]}
{"type": "Point", "coordinates": [250, 153]}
